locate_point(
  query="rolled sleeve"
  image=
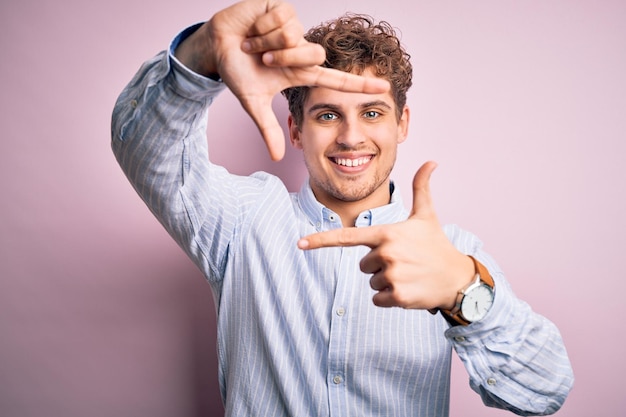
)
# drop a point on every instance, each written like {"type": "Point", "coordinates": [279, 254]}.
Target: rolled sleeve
{"type": "Point", "coordinates": [515, 358]}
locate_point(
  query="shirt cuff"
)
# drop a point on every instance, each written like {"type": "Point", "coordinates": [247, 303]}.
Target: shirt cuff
{"type": "Point", "coordinates": [187, 82]}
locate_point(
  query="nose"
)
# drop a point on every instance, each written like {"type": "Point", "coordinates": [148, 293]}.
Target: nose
{"type": "Point", "coordinates": [350, 134]}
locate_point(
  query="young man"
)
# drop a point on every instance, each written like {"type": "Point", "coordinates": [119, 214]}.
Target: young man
{"type": "Point", "coordinates": [294, 275]}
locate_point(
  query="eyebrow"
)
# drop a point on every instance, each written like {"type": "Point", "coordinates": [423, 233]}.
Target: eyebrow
{"type": "Point", "coordinates": [335, 108]}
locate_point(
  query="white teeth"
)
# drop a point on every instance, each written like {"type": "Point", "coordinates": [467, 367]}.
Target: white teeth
{"type": "Point", "coordinates": [352, 162]}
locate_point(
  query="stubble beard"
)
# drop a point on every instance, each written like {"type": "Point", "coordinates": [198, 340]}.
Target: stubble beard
{"type": "Point", "coordinates": [350, 190]}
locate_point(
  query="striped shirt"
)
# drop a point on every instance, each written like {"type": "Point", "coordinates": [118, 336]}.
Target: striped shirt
{"type": "Point", "coordinates": [298, 334]}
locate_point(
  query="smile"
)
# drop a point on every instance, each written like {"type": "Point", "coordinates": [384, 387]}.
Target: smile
{"type": "Point", "coordinates": [352, 162]}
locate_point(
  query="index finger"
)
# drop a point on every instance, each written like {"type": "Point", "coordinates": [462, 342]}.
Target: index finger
{"type": "Point", "coordinates": [345, 81]}
{"type": "Point", "coordinates": [347, 236]}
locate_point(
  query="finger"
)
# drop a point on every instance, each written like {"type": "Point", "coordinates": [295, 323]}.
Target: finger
{"type": "Point", "coordinates": [278, 15]}
{"type": "Point", "coordinates": [384, 298]}
{"type": "Point", "coordinates": [422, 199]}
{"type": "Point", "coordinates": [301, 64]}
{"type": "Point", "coordinates": [378, 282]}
{"type": "Point", "coordinates": [371, 263]}
{"type": "Point", "coordinates": [390, 297]}
{"type": "Point", "coordinates": [347, 236]}
{"type": "Point", "coordinates": [306, 54]}
{"type": "Point", "coordinates": [345, 81]}
{"type": "Point", "coordinates": [288, 36]}
{"type": "Point", "coordinates": [263, 116]}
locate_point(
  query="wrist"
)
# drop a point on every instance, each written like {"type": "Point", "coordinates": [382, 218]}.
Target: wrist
{"type": "Point", "coordinates": [474, 300]}
{"type": "Point", "coordinates": [465, 274]}
{"type": "Point", "coordinates": [196, 53]}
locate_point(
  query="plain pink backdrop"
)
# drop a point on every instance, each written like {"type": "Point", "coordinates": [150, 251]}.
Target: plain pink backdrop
{"type": "Point", "coordinates": [522, 103]}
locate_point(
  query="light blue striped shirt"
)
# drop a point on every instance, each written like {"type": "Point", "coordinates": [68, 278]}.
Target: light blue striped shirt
{"type": "Point", "coordinates": [298, 334]}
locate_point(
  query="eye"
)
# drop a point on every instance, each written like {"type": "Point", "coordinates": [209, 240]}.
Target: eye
{"type": "Point", "coordinates": [371, 114]}
{"type": "Point", "coordinates": [327, 117]}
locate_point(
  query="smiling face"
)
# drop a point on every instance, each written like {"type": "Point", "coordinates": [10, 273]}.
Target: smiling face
{"type": "Point", "coordinates": [349, 143]}
{"type": "Point", "coordinates": [349, 140]}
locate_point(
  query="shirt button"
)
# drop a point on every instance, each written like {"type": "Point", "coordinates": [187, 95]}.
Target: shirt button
{"type": "Point", "coordinates": [341, 311]}
{"type": "Point", "coordinates": [459, 339]}
{"type": "Point", "coordinates": [337, 379]}
{"type": "Point", "coordinates": [332, 218]}
{"type": "Point", "coordinates": [133, 104]}
{"type": "Point", "coordinates": [318, 225]}
{"type": "Point", "coordinates": [491, 381]}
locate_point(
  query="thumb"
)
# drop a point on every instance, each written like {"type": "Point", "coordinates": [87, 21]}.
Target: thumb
{"type": "Point", "coordinates": [262, 114]}
{"type": "Point", "coordinates": [422, 200]}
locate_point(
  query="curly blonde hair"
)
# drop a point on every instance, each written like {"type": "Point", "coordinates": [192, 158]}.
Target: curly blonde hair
{"type": "Point", "coordinates": [354, 43]}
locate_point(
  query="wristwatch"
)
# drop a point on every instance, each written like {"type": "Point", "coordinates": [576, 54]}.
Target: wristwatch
{"type": "Point", "coordinates": [474, 300]}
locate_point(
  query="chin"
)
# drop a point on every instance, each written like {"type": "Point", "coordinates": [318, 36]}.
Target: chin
{"type": "Point", "coordinates": [352, 192]}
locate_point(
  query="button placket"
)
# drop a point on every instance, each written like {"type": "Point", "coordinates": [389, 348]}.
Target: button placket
{"type": "Point", "coordinates": [340, 332]}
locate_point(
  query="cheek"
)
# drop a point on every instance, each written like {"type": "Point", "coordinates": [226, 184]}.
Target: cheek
{"type": "Point", "coordinates": [388, 137]}
{"type": "Point", "coordinates": [316, 144]}
{"type": "Point", "coordinates": [313, 155]}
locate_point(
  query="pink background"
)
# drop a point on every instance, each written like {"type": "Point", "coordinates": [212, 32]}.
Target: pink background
{"type": "Point", "coordinates": [522, 103]}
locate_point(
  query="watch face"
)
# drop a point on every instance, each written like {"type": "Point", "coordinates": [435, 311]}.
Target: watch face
{"type": "Point", "coordinates": [476, 303]}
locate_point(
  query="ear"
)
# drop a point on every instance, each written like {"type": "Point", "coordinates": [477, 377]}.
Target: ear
{"type": "Point", "coordinates": [403, 124]}
{"type": "Point", "coordinates": [294, 133]}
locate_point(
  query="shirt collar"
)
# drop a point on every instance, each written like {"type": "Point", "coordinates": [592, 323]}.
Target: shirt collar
{"type": "Point", "coordinates": [323, 218]}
